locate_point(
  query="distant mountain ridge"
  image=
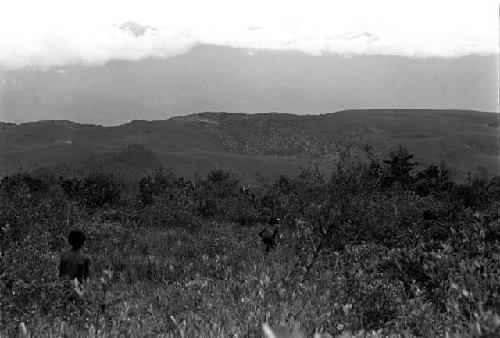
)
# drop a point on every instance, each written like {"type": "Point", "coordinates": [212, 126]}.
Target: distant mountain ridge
{"type": "Point", "coordinates": [256, 147]}
{"type": "Point", "coordinates": [218, 78]}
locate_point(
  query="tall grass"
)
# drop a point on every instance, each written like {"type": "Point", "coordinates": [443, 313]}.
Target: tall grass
{"type": "Point", "coordinates": [183, 258]}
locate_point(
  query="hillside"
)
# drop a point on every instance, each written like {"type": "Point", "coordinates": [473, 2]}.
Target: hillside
{"type": "Point", "coordinates": [254, 146]}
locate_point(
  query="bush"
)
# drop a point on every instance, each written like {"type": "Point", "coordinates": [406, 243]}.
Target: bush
{"type": "Point", "coordinates": [95, 190]}
{"type": "Point", "coordinates": [404, 258]}
{"type": "Point", "coordinates": [100, 189]}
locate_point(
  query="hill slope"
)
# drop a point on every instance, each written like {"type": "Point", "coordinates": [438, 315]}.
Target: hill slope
{"type": "Point", "coordinates": [255, 146]}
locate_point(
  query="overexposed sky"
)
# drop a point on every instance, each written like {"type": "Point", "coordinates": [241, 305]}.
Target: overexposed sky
{"type": "Point", "coordinates": [62, 32]}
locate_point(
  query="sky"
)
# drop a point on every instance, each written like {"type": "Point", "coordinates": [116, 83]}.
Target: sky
{"type": "Point", "coordinates": [54, 33]}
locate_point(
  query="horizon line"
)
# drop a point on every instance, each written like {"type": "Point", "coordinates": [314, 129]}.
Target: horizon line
{"type": "Point", "coordinates": [266, 113]}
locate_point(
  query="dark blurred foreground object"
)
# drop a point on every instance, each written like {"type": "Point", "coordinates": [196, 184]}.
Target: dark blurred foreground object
{"type": "Point", "coordinates": [270, 237]}
{"type": "Point", "coordinates": [429, 215]}
{"type": "Point", "coordinates": [74, 263]}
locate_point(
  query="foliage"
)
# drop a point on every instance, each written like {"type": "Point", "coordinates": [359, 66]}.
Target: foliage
{"type": "Point", "coordinates": [182, 258]}
{"type": "Point", "coordinates": [95, 190]}
{"type": "Point", "coordinates": [400, 167]}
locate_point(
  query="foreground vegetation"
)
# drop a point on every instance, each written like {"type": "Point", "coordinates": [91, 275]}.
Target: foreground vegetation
{"type": "Point", "coordinates": [376, 247]}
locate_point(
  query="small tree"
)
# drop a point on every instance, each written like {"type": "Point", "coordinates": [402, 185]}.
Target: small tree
{"type": "Point", "coordinates": [400, 166]}
{"type": "Point", "coordinates": [433, 180]}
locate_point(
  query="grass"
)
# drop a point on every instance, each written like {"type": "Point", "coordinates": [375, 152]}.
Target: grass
{"type": "Point", "coordinates": [215, 281]}
{"type": "Point", "coordinates": [386, 272]}
{"type": "Point", "coordinates": [166, 281]}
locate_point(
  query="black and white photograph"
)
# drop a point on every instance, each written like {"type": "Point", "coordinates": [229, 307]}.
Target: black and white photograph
{"type": "Point", "coordinates": [249, 169]}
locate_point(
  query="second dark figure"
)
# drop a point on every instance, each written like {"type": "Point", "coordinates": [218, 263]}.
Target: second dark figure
{"type": "Point", "coordinates": [270, 237]}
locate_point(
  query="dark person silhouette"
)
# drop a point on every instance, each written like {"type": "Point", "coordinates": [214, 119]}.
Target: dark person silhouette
{"type": "Point", "coordinates": [429, 216]}
{"type": "Point", "coordinates": [74, 263]}
{"type": "Point", "coordinates": [269, 237]}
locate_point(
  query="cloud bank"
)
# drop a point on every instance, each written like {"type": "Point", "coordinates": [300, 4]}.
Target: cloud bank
{"type": "Point", "coordinates": [60, 32]}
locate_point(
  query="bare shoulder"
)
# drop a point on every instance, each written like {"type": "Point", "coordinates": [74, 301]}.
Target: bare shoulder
{"type": "Point", "coordinates": [65, 255]}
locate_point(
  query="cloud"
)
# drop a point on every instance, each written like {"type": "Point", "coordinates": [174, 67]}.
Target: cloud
{"type": "Point", "coordinates": [59, 32]}
{"type": "Point", "coordinates": [59, 48]}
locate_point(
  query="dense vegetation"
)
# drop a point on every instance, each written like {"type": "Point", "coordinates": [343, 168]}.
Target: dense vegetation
{"type": "Point", "coordinates": [376, 246]}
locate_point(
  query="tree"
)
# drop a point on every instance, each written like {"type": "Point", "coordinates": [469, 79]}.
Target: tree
{"type": "Point", "coordinates": [399, 170]}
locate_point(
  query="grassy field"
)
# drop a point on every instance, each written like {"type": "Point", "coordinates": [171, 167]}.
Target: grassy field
{"type": "Point", "coordinates": [213, 281]}
{"type": "Point", "coordinates": [170, 269]}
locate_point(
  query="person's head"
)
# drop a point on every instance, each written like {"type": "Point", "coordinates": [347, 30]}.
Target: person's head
{"type": "Point", "coordinates": [274, 221]}
{"type": "Point", "coordinates": [428, 215]}
{"type": "Point", "coordinates": [76, 239]}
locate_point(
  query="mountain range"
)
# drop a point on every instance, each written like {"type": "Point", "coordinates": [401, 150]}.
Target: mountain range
{"type": "Point", "coordinates": [220, 78]}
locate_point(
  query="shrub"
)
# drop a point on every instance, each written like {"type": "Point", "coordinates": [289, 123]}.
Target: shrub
{"type": "Point", "coordinates": [100, 189]}
{"type": "Point", "coordinates": [356, 255]}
